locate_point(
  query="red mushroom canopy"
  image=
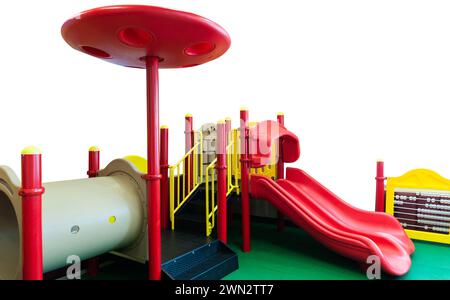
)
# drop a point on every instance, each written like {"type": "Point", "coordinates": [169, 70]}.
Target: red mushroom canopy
{"type": "Point", "coordinates": [125, 34]}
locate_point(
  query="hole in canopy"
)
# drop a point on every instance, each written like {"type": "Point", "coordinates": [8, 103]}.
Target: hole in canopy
{"type": "Point", "coordinates": [135, 37]}
{"type": "Point", "coordinates": [95, 52]}
{"type": "Point", "coordinates": [200, 49]}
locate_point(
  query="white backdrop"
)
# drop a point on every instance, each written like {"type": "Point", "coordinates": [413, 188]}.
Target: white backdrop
{"type": "Point", "coordinates": [358, 80]}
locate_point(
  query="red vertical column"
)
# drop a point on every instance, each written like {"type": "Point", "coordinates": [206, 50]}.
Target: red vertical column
{"type": "Point", "coordinates": [31, 193]}
{"type": "Point", "coordinates": [379, 198]}
{"type": "Point", "coordinates": [280, 171]}
{"type": "Point", "coordinates": [221, 182]}
{"type": "Point", "coordinates": [94, 168]}
{"type": "Point", "coordinates": [153, 175]}
{"type": "Point", "coordinates": [245, 197]}
{"type": "Point", "coordinates": [189, 143]}
{"type": "Point", "coordinates": [228, 130]}
{"type": "Point", "coordinates": [164, 177]}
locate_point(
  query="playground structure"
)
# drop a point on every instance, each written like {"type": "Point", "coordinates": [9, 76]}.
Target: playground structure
{"type": "Point", "coordinates": [420, 200]}
{"type": "Point", "coordinates": [139, 208]}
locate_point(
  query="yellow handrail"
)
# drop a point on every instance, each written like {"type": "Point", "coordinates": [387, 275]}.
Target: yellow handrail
{"type": "Point", "coordinates": [187, 176]}
{"type": "Point", "coordinates": [187, 186]}
{"type": "Point", "coordinates": [232, 160]}
{"type": "Point", "coordinates": [210, 215]}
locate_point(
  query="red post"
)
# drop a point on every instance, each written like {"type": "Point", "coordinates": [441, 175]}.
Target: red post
{"type": "Point", "coordinates": [164, 177]}
{"type": "Point", "coordinates": [94, 168]}
{"type": "Point", "coordinates": [245, 197]}
{"type": "Point", "coordinates": [189, 143]}
{"type": "Point", "coordinates": [228, 129]}
{"type": "Point", "coordinates": [280, 171]}
{"type": "Point", "coordinates": [379, 201]}
{"type": "Point", "coordinates": [31, 193]}
{"type": "Point", "coordinates": [221, 182]}
{"type": "Point", "coordinates": [153, 176]}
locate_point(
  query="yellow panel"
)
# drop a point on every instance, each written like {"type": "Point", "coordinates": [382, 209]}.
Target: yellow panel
{"type": "Point", "coordinates": [139, 162]}
{"type": "Point", "coordinates": [420, 179]}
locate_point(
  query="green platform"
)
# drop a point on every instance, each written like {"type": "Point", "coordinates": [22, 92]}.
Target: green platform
{"type": "Point", "coordinates": [292, 254]}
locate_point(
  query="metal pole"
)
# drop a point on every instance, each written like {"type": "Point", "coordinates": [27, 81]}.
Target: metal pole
{"type": "Point", "coordinates": [31, 193]}
{"type": "Point", "coordinates": [229, 139]}
{"type": "Point", "coordinates": [222, 181]}
{"type": "Point", "coordinates": [164, 177]}
{"type": "Point", "coordinates": [280, 171]}
{"type": "Point", "coordinates": [94, 167]}
{"type": "Point", "coordinates": [245, 197]}
{"type": "Point", "coordinates": [189, 143]}
{"type": "Point", "coordinates": [379, 198]}
{"type": "Point", "coordinates": [153, 176]}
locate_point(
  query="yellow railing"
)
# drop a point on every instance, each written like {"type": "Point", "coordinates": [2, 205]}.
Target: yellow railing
{"type": "Point", "coordinates": [183, 184]}
{"type": "Point", "coordinates": [185, 178]}
{"type": "Point", "coordinates": [210, 199]}
{"type": "Point", "coordinates": [232, 159]}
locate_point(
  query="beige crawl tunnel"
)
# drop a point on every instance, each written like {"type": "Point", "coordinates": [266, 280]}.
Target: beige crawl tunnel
{"type": "Point", "coordinates": [84, 217]}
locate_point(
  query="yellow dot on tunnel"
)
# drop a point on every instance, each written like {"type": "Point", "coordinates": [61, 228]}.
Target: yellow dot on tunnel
{"type": "Point", "coordinates": [112, 220]}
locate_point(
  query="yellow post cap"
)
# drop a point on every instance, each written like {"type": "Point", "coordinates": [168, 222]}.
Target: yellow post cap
{"type": "Point", "coordinates": [243, 108]}
{"type": "Point", "coordinates": [188, 116]}
{"type": "Point", "coordinates": [164, 127]}
{"type": "Point", "coordinates": [221, 122]}
{"type": "Point", "coordinates": [31, 150]}
{"type": "Point", "coordinates": [280, 114]}
{"type": "Point", "coordinates": [380, 160]}
{"type": "Point", "coordinates": [228, 119]}
{"type": "Point", "coordinates": [94, 149]}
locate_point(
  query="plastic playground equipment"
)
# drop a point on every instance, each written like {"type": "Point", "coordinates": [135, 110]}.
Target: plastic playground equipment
{"type": "Point", "coordinates": [420, 200]}
{"type": "Point", "coordinates": [175, 217]}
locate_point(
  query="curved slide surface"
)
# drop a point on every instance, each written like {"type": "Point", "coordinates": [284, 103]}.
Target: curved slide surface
{"type": "Point", "coordinates": [351, 232]}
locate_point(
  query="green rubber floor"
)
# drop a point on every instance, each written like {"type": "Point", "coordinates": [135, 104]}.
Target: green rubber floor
{"type": "Point", "coordinates": [292, 254]}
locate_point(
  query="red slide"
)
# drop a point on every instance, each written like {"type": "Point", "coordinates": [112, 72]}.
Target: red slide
{"type": "Point", "coordinates": [352, 232]}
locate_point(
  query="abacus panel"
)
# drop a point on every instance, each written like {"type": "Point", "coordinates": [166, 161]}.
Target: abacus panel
{"type": "Point", "coordinates": [423, 210]}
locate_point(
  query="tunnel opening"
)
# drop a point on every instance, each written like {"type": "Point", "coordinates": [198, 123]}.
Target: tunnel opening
{"type": "Point", "coordinates": [9, 239]}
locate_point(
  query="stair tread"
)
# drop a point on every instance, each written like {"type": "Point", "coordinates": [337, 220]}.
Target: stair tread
{"type": "Point", "coordinates": [212, 261]}
{"type": "Point", "coordinates": [204, 265]}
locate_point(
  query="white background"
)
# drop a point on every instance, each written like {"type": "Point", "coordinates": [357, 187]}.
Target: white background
{"type": "Point", "coordinates": [358, 81]}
